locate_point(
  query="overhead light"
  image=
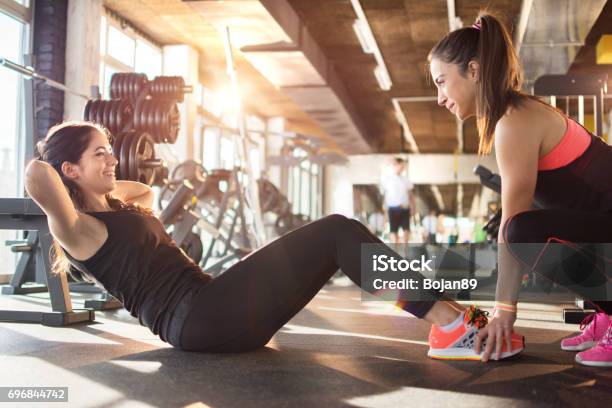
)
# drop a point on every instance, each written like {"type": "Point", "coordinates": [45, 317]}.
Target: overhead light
{"type": "Point", "coordinates": [364, 35]}
{"type": "Point", "coordinates": [368, 43]}
{"type": "Point", "coordinates": [382, 76]}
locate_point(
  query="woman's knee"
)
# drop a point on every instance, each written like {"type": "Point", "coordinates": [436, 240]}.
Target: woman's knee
{"type": "Point", "coordinates": [338, 219]}
{"type": "Point", "coordinates": [520, 228]}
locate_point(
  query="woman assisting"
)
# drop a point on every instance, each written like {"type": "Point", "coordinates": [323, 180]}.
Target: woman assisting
{"type": "Point", "coordinates": [541, 155]}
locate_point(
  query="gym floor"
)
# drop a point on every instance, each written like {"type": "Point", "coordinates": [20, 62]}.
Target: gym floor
{"type": "Point", "coordinates": [339, 351]}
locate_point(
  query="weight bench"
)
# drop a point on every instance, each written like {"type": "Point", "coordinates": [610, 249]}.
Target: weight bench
{"type": "Point", "coordinates": [23, 214]}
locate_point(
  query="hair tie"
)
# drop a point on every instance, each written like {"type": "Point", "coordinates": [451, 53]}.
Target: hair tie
{"type": "Point", "coordinates": [476, 25]}
{"type": "Point", "coordinates": [39, 150]}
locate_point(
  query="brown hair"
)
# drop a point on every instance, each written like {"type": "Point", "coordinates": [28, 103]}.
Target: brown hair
{"type": "Point", "coordinates": [500, 76]}
{"type": "Point", "coordinates": [66, 142]}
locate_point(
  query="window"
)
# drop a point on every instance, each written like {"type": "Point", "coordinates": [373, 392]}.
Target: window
{"type": "Point", "coordinates": [122, 49]}
{"type": "Point", "coordinates": [13, 45]}
{"type": "Point", "coordinates": [120, 46]}
{"type": "Point", "coordinates": [304, 186]}
{"type": "Point", "coordinates": [210, 155]}
{"type": "Point", "coordinates": [148, 59]}
{"type": "Point", "coordinates": [10, 106]}
{"type": "Point", "coordinates": [227, 152]}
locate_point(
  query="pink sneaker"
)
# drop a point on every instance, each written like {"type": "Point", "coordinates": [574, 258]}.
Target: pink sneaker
{"type": "Point", "coordinates": [593, 328]}
{"type": "Point", "coordinates": [601, 354]}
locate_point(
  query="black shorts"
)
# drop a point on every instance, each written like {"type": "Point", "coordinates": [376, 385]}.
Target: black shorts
{"type": "Point", "coordinates": [399, 217]}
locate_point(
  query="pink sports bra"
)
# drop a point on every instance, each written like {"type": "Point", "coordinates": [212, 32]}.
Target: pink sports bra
{"type": "Point", "coordinates": [575, 142]}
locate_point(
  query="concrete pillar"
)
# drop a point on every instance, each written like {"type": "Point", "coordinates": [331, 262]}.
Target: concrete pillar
{"type": "Point", "coordinates": [182, 60]}
{"type": "Point", "coordinates": [82, 53]}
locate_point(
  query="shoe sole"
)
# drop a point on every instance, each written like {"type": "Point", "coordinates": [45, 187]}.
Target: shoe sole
{"type": "Point", "coordinates": [581, 347]}
{"type": "Point", "coordinates": [466, 354]}
{"type": "Point", "coordinates": [594, 363]}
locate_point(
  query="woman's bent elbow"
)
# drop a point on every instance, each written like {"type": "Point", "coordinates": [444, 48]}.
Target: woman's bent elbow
{"type": "Point", "coordinates": [35, 174]}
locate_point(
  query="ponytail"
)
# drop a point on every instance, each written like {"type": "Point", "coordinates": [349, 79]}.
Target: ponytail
{"type": "Point", "coordinates": [500, 78]}
{"type": "Point", "coordinates": [500, 75]}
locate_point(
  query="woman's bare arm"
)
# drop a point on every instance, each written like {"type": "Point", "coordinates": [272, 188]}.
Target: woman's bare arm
{"type": "Point", "coordinates": [45, 187]}
{"type": "Point", "coordinates": [133, 192]}
{"type": "Point", "coordinates": [516, 148]}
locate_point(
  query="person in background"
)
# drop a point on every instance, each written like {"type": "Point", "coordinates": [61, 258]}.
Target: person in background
{"type": "Point", "coordinates": [376, 222]}
{"type": "Point", "coordinates": [480, 235]}
{"type": "Point", "coordinates": [398, 200]}
{"type": "Point", "coordinates": [430, 224]}
{"type": "Point", "coordinates": [453, 237]}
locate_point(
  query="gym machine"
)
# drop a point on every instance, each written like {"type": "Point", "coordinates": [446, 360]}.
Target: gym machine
{"type": "Point", "coordinates": [275, 202]}
{"type": "Point", "coordinates": [215, 203]}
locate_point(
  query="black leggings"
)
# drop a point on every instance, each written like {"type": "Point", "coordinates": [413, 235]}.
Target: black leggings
{"type": "Point", "coordinates": [243, 308]}
{"type": "Point", "coordinates": [569, 227]}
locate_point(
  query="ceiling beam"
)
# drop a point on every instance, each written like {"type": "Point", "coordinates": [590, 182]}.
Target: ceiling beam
{"type": "Point", "coordinates": [407, 133]}
{"type": "Point", "coordinates": [519, 34]}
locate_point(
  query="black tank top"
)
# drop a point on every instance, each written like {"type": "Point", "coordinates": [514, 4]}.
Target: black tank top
{"type": "Point", "coordinates": [141, 265]}
{"type": "Point", "coordinates": [584, 184]}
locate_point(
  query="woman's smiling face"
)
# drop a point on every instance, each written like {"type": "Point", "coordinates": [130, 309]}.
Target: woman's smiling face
{"type": "Point", "coordinates": [456, 91]}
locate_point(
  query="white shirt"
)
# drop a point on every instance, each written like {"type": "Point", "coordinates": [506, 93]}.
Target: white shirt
{"type": "Point", "coordinates": [395, 190]}
{"type": "Point", "coordinates": [430, 222]}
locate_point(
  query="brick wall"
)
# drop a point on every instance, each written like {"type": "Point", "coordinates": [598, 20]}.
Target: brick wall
{"type": "Point", "coordinates": [49, 60]}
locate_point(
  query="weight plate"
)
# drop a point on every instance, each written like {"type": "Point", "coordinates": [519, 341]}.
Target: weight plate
{"type": "Point", "coordinates": [137, 112]}
{"type": "Point", "coordinates": [181, 90]}
{"type": "Point", "coordinates": [135, 86]}
{"type": "Point", "coordinates": [124, 87]}
{"type": "Point", "coordinates": [125, 153]}
{"type": "Point", "coordinates": [106, 116]}
{"type": "Point", "coordinates": [118, 114]}
{"type": "Point", "coordinates": [127, 84]}
{"type": "Point", "coordinates": [111, 117]}
{"type": "Point", "coordinates": [99, 112]}
{"type": "Point", "coordinates": [113, 86]}
{"type": "Point", "coordinates": [145, 119]}
{"type": "Point", "coordinates": [142, 148]}
{"type": "Point", "coordinates": [87, 108]}
{"type": "Point", "coordinates": [125, 115]}
{"type": "Point", "coordinates": [174, 119]}
{"type": "Point", "coordinates": [167, 88]}
{"type": "Point", "coordinates": [116, 153]}
{"type": "Point", "coordinates": [152, 126]}
{"type": "Point", "coordinates": [93, 109]}
{"type": "Point", "coordinates": [162, 121]}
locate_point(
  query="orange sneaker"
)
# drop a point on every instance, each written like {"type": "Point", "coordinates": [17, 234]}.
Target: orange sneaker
{"type": "Point", "coordinates": [458, 344]}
